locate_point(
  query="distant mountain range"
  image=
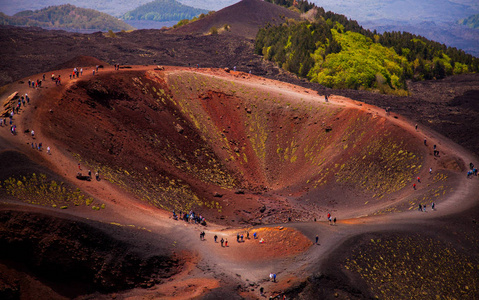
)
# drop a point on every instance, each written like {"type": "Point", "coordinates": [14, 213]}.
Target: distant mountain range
{"type": "Point", "coordinates": [66, 17]}
{"type": "Point", "coordinates": [471, 22]}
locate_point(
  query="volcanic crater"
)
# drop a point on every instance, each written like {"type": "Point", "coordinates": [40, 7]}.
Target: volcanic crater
{"type": "Point", "coordinates": [247, 153]}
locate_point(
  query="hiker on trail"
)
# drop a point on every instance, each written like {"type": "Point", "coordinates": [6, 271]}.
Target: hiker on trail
{"type": "Point", "coordinates": [93, 72]}
{"type": "Point", "coordinates": [424, 208]}
{"type": "Point", "coordinates": [242, 238]}
{"type": "Point", "coordinates": [274, 277]}
{"type": "Point", "coordinates": [317, 239]}
{"type": "Point", "coordinates": [237, 237]}
{"type": "Point", "coordinates": [414, 186]}
{"type": "Point", "coordinates": [334, 221]}
{"type": "Point", "coordinates": [430, 170]}
{"type": "Point", "coordinates": [89, 174]}
{"type": "Point", "coordinates": [471, 165]}
{"type": "Point", "coordinates": [79, 166]}
{"type": "Point", "coordinates": [416, 127]}
{"type": "Point", "coordinates": [97, 175]}
{"type": "Point", "coordinates": [420, 207]}
{"type": "Point", "coordinates": [216, 237]}
{"type": "Point", "coordinates": [40, 147]}
{"type": "Point", "coordinates": [254, 235]}
{"type": "Point", "coordinates": [425, 142]}
{"type": "Point", "coordinates": [418, 179]}
{"type": "Point", "coordinates": [81, 71]}
{"type": "Point", "coordinates": [33, 134]}
{"type": "Point", "coordinates": [29, 83]}
{"type": "Point", "coordinates": [271, 276]}
{"type": "Point", "coordinates": [433, 206]}
{"type": "Point", "coordinates": [222, 241]}
{"type": "Point", "coordinates": [226, 243]}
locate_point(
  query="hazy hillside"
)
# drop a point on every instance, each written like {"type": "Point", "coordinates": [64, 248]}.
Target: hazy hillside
{"type": "Point", "coordinates": [112, 7]}
{"type": "Point", "coordinates": [163, 10]}
{"type": "Point", "coordinates": [471, 21]}
{"type": "Point", "coordinates": [66, 17]}
{"type": "Point", "coordinates": [401, 10]}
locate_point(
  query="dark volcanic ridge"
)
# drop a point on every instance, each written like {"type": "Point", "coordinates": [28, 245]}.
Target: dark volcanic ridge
{"type": "Point", "coordinates": [80, 256]}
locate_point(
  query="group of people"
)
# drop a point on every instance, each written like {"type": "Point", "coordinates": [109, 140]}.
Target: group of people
{"type": "Point", "coordinates": [190, 217]}
{"type": "Point", "coordinates": [58, 80]}
{"type": "Point", "coordinates": [23, 101]}
{"type": "Point", "coordinates": [239, 238]}
{"type": "Point", "coordinates": [331, 220]}
{"type": "Point", "coordinates": [472, 170]}
{"type": "Point", "coordinates": [38, 146]}
{"type": "Point", "coordinates": [76, 72]}
{"type": "Point", "coordinates": [422, 208]}
{"type": "Point", "coordinates": [35, 83]}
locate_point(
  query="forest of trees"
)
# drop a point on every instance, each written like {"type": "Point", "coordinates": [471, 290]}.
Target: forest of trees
{"type": "Point", "coordinates": [338, 53]}
{"type": "Point", "coordinates": [163, 10]}
{"type": "Point", "coordinates": [66, 17]}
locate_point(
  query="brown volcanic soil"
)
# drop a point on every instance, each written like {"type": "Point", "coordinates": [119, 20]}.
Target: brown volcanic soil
{"type": "Point", "coordinates": [244, 19]}
{"type": "Point", "coordinates": [124, 121]}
